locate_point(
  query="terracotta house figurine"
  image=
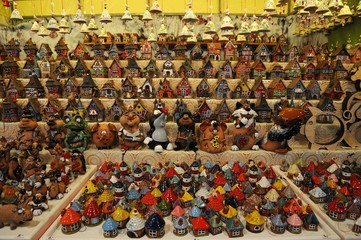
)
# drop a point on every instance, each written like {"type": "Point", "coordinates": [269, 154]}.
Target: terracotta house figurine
{"type": "Point", "coordinates": [180, 225]}
{"type": "Point", "coordinates": [132, 69]}
{"type": "Point", "coordinates": [108, 90]}
{"type": "Point", "coordinates": [258, 89]}
{"type": "Point", "coordinates": [255, 222]}
{"type": "Point", "coordinates": [113, 52]}
{"type": "Point", "coordinates": [294, 224]}
{"type": "Point", "coordinates": [114, 112]}
{"type": "Point", "coordinates": [54, 88]}
{"type": "Point", "coordinates": [168, 69]}
{"type": "Point", "coordinates": [230, 51]}
{"type": "Point", "coordinates": [92, 214]}
{"type": "Point", "coordinates": [80, 52]}
{"type": "Point", "coordinates": [13, 49]}
{"type": "Point", "coordinates": [292, 54]}
{"type": "Point", "coordinates": [242, 69]}
{"type": "Point", "coordinates": [337, 210]}
{"type": "Point", "coordinates": [115, 71]}
{"type": "Point", "coordinates": [226, 70]}
{"type": "Point", "coordinates": [214, 50]}
{"type": "Point", "coordinates": [135, 226]}
{"type": "Point", "coordinates": [154, 226]}
{"type": "Point", "coordinates": [341, 54]}
{"type": "Point", "coordinates": [200, 227]}
{"type": "Point", "coordinates": [30, 49]}
{"type": "Point", "coordinates": [9, 68]}
{"type": "Point", "coordinates": [207, 71]}
{"type": "Point", "coordinates": [165, 90]}
{"type": "Point", "coordinates": [80, 69]}
{"type": "Point", "coordinates": [308, 54]}
{"type": "Point", "coordinates": [242, 90]}
{"type": "Point", "coordinates": [70, 221]}
{"type": "Point", "coordinates": [64, 69]}
{"type": "Point", "coordinates": [279, 224]}
{"type": "Point", "coordinates": [95, 111]}
{"type": "Point", "coordinates": [203, 89]}
{"type": "Point", "coordinates": [31, 67]}
{"type": "Point", "coordinates": [99, 69]}
{"type": "Point", "coordinates": [234, 228]}
{"type": "Point", "coordinates": [146, 50]}
{"type": "Point", "coordinates": [61, 49]}
{"type": "Point", "coordinates": [262, 53]}
{"type": "Point", "coordinates": [277, 89]}
{"type": "Point", "coordinates": [110, 228]}
{"type": "Point", "coordinates": [44, 51]}
{"type": "Point", "coordinates": [184, 89]}
{"type": "Point", "coordinates": [258, 69]}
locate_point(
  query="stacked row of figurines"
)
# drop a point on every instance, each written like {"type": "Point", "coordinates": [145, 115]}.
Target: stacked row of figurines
{"type": "Point", "coordinates": [72, 133]}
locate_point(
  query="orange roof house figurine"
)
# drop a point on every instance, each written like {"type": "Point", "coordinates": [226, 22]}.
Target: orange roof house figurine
{"type": "Point", "coordinates": [214, 50]}
{"type": "Point", "coordinates": [230, 52]}
{"type": "Point", "coordinates": [146, 50]}
{"type": "Point", "coordinates": [70, 221]}
{"type": "Point", "coordinates": [80, 51]}
{"type": "Point", "coordinates": [115, 71]}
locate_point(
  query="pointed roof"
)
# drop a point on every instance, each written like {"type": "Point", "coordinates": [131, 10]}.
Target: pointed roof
{"type": "Point", "coordinates": [155, 222]}
{"type": "Point", "coordinates": [110, 225]}
{"type": "Point", "coordinates": [88, 81]}
{"type": "Point", "coordinates": [200, 224]}
{"type": "Point", "coordinates": [260, 46]}
{"type": "Point", "coordinates": [120, 214]}
{"type": "Point", "coordinates": [180, 222]}
{"type": "Point", "coordinates": [234, 224]}
{"type": "Point", "coordinates": [132, 63]}
{"type": "Point", "coordinates": [255, 218]}
{"type": "Point", "coordinates": [70, 217]}
{"type": "Point", "coordinates": [279, 220]}
{"type": "Point", "coordinates": [274, 83]}
{"type": "Point", "coordinates": [294, 220]}
{"type": "Point", "coordinates": [92, 210]}
{"type": "Point", "coordinates": [61, 45]}
{"type": "Point", "coordinates": [178, 211]}
{"type": "Point", "coordinates": [290, 64]}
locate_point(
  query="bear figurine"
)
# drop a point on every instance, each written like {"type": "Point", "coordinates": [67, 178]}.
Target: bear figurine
{"type": "Point", "coordinates": [130, 138]}
{"type": "Point", "coordinates": [186, 139]}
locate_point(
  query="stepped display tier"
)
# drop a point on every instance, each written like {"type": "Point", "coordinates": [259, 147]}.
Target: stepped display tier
{"type": "Point", "coordinates": [35, 228]}
{"type": "Point", "coordinates": [342, 228]}
{"type": "Point", "coordinates": [96, 232]}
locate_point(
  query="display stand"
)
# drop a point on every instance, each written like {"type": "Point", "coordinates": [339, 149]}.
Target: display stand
{"type": "Point", "coordinates": [343, 229]}
{"type": "Point", "coordinates": [35, 228]}
{"type": "Point", "coordinates": [324, 232]}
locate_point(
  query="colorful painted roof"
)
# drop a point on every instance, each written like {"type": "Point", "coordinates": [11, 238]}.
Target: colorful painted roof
{"type": "Point", "coordinates": [236, 169]}
{"type": "Point", "coordinates": [220, 189]}
{"type": "Point", "coordinates": [279, 220]}
{"type": "Point", "coordinates": [70, 217]}
{"type": "Point", "coordinates": [288, 192]}
{"type": "Point", "coordinates": [155, 222]}
{"type": "Point", "coordinates": [180, 222]}
{"type": "Point", "coordinates": [228, 212]}
{"type": "Point", "coordinates": [294, 220]}
{"type": "Point", "coordinates": [215, 221]}
{"type": "Point", "coordinates": [203, 192]}
{"type": "Point", "coordinates": [89, 188]}
{"type": "Point", "coordinates": [156, 192]}
{"type": "Point", "coordinates": [186, 197]}
{"type": "Point", "coordinates": [293, 206]}
{"type": "Point", "coordinates": [110, 225]}
{"type": "Point", "coordinates": [92, 210]}
{"type": "Point", "coordinates": [194, 212]}
{"type": "Point", "coordinates": [133, 194]}
{"type": "Point", "coordinates": [311, 218]}
{"type": "Point", "coordinates": [163, 205]}
{"type": "Point", "coordinates": [345, 191]}
{"type": "Point", "coordinates": [169, 195]}
{"type": "Point", "coordinates": [237, 193]}
{"type": "Point", "coordinates": [317, 192]}
{"type": "Point", "coordinates": [136, 223]}
{"type": "Point", "coordinates": [278, 185]}
{"type": "Point", "coordinates": [171, 172]}
{"type": "Point", "coordinates": [200, 224]}
{"type": "Point", "coordinates": [263, 182]}
{"type": "Point", "coordinates": [219, 180]}
{"type": "Point", "coordinates": [177, 211]}
{"type": "Point", "coordinates": [272, 195]}
{"type": "Point", "coordinates": [120, 214]}
{"type": "Point", "coordinates": [106, 196]}
{"type": "Point", "coordinates": [149, 199]}
{"type": "Point", "coordinates": [215, 204]}
{"type": "Point", "coordinates": [255, 218]}
{"type": "Point", "coordinates": [293, 169]}
{"type": "Point", "coordinates": [337, 206]}
{"type": "Point", "coordinates": [234, 224]}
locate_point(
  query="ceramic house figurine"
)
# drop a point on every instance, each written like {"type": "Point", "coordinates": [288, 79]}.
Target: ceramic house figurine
{"type": "Point", "coordinates": [13, 49]}
{"type": "Point", "coordinates": [294, 224]}
{"type": "Point", "coordinates": [108, 90]}
{"type": "Point", "coordinates": [80, 52]}
{"type": "Point", "coordinates": [234, 228]}
{"type": "Point", "coordinates": [14, 89]}
{"type": "Point", "coordinates": [216, 225]}
{"type": "Point", "coordinates": [186, 132]}
{"type": "Point", "coordinates": [132, 69]}
{"type": "Point", "coordinates": [44, 51]}
{"type": "Point", "coordinates": [151, 70]}
{"type": "Point", "coordinates": [207, 71]}
{"type": "Point", "coordinates": [88, 89]}
{"type": "Point", "coordinates": [279, 224]}
{"type": "Point", "coordinates": [146, 90]}
{"type": "Point", "coordinates": [51, 108]}
{"type": "Point", "coordinates": [92, 214]}
{"type": "Point", "coordinates": [168, 69]}
{"type": "Point", "coordinates": [203, 89]}
{"type": "Point", "coordinates": [61, 49]}
{"type": "Point", "coordinates": [129, 135]}
{"type": "Point", "coordinates": [70, 88]}
{"type": "Point", "coordinates": [222, 90]}
{"type": "Point", "coordinates": [200, 227]}
{"type": "Point", "coordinates": [99, 69]}
{"type": "Point", "coordinates": [30, 49]}
{"type": "Point", "coordinates": [255, 222]}
{"type": "Point", "coordinates": [64, 69]}
{"type": "Point", "coordinates": [164, 90]}
{"type": "Point", "coordinates": [34, 109]}
{"type": "Point", "coordinates": [180, 225]}
{"type": "Point", "coordinates": [184, 89]}
{"type": "Point", "coordinates": [34, 89]}
{"type": "Point", "coordinates": [214, 50]}
{"type": "Point", "coordinates": [9, 68]}
{"type": "Point", "coordinates": [95, 111]}
{"type": "Point", "coordinates": [115, 71]}
{"type": "Point", "coordinates": [121, 216]}
{"type": "Point", "coordinates": [213, 139]}
{"type": "Point", "coordinates": [186, 70]}
{"type": "Point", "coordinates": [154, 226]}
{"type": "Point", "coordinates": [135, 226]}
{"type": "Point", "coordinates": [110, 228]}
{"type": "Point", "coordinates": [70, 221]}
{"type": "Point", "coordinates": [11, 111]}
{"type": "Point", "coordinates": [31, 66]}
{"type": "Point", "coordinates": [337, 210]}
{"type": "Point", "coordinates": [54, 88]}
{"type": "Point", "coordinates": [223, 113]}
{"type": "Point", "coordinates": [356, 228]}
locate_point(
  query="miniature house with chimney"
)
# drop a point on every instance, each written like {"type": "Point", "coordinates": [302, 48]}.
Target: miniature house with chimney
{"type": "Point", "coordinates": [113, 52]}
{"type": "Point", "coordinates": [186, 70]}
{"type": "Point", "coordinates": [146, 90]}
{"type": "Point", "coordinates": [226, 70]}
{"type": "Point", "coordinates": [115, 71]}
{"type": "Point", "coordinates": [308, 54]}
{"type": "Point", "coordinates": [184, 89]}
{"type": "Point", "coordinates": [203, 89]}
{"type": "Point", "coordinates": [262, 53]}
{"type": "Point", "coordinates": [340, 54]}
{"type": "Point", "coordinates": [165, 90]}
{"type": "Point", "coordinates": [99, 69]}
{"type": "Point", "coordinates": [80, 52]}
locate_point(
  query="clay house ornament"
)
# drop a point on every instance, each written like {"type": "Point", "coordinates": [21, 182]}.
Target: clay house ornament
{"type": "Point", "coordinates": [64, 69]}
{"type": "Point", "coordinates": [80, 69]}
{"type": "Point", "coordinates": [132, 69]}
{"type": "Point", "coordinates": [168, 69]}
{"type": "Point", "coordinates": [88, 89]}
{"type": "Point", "coordinates": [135, 226]}
{"type": "Point", "coordinates": [277, 89]}
{"type": "Point", "coordinates": [275, 70]}
{"type": "Point", "coordinates": [356, 228]}
{"type": "Point", "coordinates": [92, 214]}
{"type": "Point", "coordinates": [14, 89]}
{"type": "Point", "coordinates": [277, 55]}
{"type": "Point", "coordinates": [200, 227]}
{"type": "Point", "coordinates": [180, 50]}
{"type": "Point", "coordinates": [337, 210]}
{"type": "Point", "coordinates": [294, 224]}
{"type": "Point", "coordinates": [79, 52]}
{"type": "Point", "coordinates": [114, 112]}
{"type": "Point", "coordinates": [180, 225]}
{"type": "Point", "coordinates": [317, 195]}
{"type": "Point", "coordinates": [313, 90]}
{"type": "Point", "coordinates": [309, 72]}
{"type": "Point", "coordinates": [30, 49]}
{"type": "Point", "coordinates": [47, 67]}
{"type": "Point", "coordinates": [262, 53]}
{"type": "Point", "coordinates": [151, 70]}
{"type": "Point", "coordinates": [341, 54]}
{"type": "Point", "coordinates": [31, 66]}
{"type": "Point", "coordinates": [223, 90]}
{"type": "Point", "coordinates": [13, 49]}
{"type": "Point", "coordinates": [141, 111]}
{"type": "Point", "coordinates": [226, 70]}
{"type": "Point", "coordinates": [278, 224]}
{"type": "Point", "coordinates": [163, 52]}
{"type": "Point", "coordinates": [34, 89]}
{"type": "Point", "coordinates": [203, 112]}
{"type": "Point", "coordinates": [51, 108]}
{"type": "Point", "coordinates": [214, 51]}
{"type": "Point", "coordinates": [115, 71]}
{"type": "Point", "coordinates": [130, 50]}
{"type": "Point", "coordinates": [146, 50]}
{"type": "Point", "coordinates": [70, 221]}
{"type": "Point", "coordinates": [263, 110]}
{"type": "Point", "coordinates": [255, 222]}
{"type": "Point", "coordinates": [95, 111]}
{"type": "Point", "coordinates": [99, 69]}
{"type": "Point", "coordinates": [54, 87]}
{"type": "Point", "coordinates": [108, 90]}
{"type": "Point", "coordinates": [258, 89]}
{"type": "Point", "coordinates": [70, 88]}
{"type": "Point", "coordinates": [9, 68]}
{"type": "Point", "coordinates": [308, 54]}
{"type": "Point", "coordinates": [242, 69]}
{"type": "Point", "coordinates": [323, 70]}
{"type": "Point", "coordinates": [44, 51]}
{"type": "Point", "coordinates": [110, 228]}
{"type": "Point", "coordinates": [61, 49]}
{"type": "Point", "coordinates": [186, 70]}
{"type": "Point", "coordinates": [121, 216]}
{"type": "Point", "coordinates": [292, 54]}
{"type": "Point", "coordinates": [183, 89]}
{"type": "Point", "coordinates": [242, 90]}
{"type": "Point", "coordinates": [34, 108]}
{"type": "Point", "coordinates": [154, 226]}
{"type": "Point", "coordinates": [293, 70]}
{"type": "Point", "coordinates": [246, 53]}
{"type": "Point", "coordinates": [326, 105]}
{"type": "Point", "coordinates": [339, 70]}
{"type": "Point", "coordinates": [203, 89]}
{"type": "Point", "coordinates": [230, 51]}
{"type": "Point", "coordinates": [310, 222]}
{"type": "Point", "coordinates": [353, 211]}
{"type": "Point", "coordinates": [146, 90]}
{"type": "Point", "coordinates": [180, 108]}
{"type": "Point", "coordinates": [207, 71]}
{"type": "Point", "coordinates": [113, 52]}
{"type": "Point", "coordinates": [334, 90]}
{"type": "Point", "coordinates": [164, 90]}
{"type": "Point", "coordinates": [296, 89]}
{"type": "Point", "coordinates": [129, 90]}
{"type": "Point", "coordinates": [323, 53]}
{"type": "Point", "coordinates": [258, 69]}
{"type": "Point", "coordinates": [234, 228]}
{"type": "Point", "coordinates": [196, 52]}
{"type": "Point", "coordinates": [10, 111]}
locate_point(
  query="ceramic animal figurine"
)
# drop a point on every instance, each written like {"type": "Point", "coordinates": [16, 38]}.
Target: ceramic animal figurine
{"type": "Point", "coordinates": [28, 133]}
{"type": "Point", "coordinates": [287, 123]}
{"type": "Point", "coordinates": [39, 203]}
{"type": "Point", "coordinates": [130, 138]}
{"type": "Point", "coordinates": [56, 133]}
{"type": "Point", "coordinates": [77, 138]}
{"type": "Point", "coordinates": [13, 215]}
{"type": "Point", "coordinates": [78, 163]}
{"type": "Point", "coordinates": [244, 133]}
{"type": "Point", "coordinates": [157, 136]}
{"type": "Point", "coordinates": [5, 148]}
{"type": "Point", "coordinates": [213, 139]}
{"type": "Point", "coordinates": [186, 138]}
{"type": "Point", "coordinates": [103, 135]}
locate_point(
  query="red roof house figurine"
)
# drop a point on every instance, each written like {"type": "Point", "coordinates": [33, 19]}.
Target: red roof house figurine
{"type": "Point", "coordinates": [92, 214]}
{"type": "Point", "coordinates": [80, 52]}
{"type": "Point", "coordinates": [184, 89]}
{"type": "Point", "coordinates": [164, 90]}
{"type": "Point", "coordinates": [337, 210]}
{"type": "Point", "coordinates": [70, 221]}
{"type": "Point", "coordinates": [200, 227]}
{"type": "Point", "coordinates": [214, 50]}
{"type": "Point", "coordinates": [115, 71]}
{"type": "Point", "coordinates": [230, 52]}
